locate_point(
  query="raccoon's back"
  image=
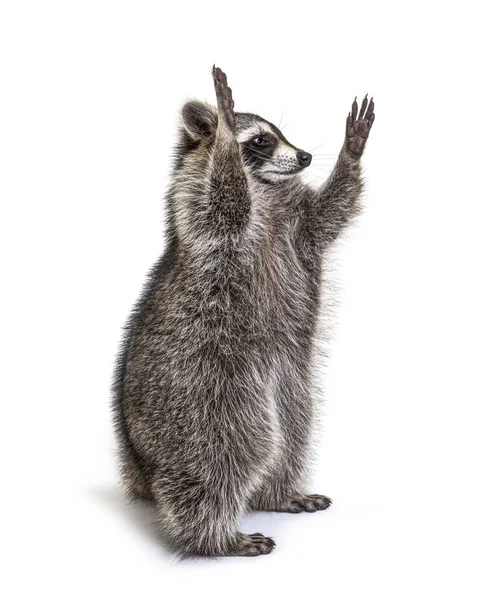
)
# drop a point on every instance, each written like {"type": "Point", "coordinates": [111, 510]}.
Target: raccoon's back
{"type": "Point", "coordinates": [132, 328]}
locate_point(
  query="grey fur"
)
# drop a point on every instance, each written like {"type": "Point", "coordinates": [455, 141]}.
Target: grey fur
{"type": "Point", "coordinates": [212, 394]}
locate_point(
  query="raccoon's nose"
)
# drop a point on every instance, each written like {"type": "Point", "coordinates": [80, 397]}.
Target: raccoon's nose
{"type": "Point", "coordinates": [304, 158]}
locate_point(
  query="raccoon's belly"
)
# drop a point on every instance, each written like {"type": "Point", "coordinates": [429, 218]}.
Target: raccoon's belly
{"type": "Point", "coordinates": [277, 439]}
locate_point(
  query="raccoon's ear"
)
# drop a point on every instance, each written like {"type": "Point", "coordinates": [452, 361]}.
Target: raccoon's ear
{"type": "Point", "coordinates": [200, 119]}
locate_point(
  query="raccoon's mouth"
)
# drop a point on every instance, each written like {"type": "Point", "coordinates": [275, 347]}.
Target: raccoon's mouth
{"type": "Point", "coordinates": [288, 173]}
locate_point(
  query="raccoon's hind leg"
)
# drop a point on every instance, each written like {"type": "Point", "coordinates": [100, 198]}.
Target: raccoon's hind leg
{"type": "Point", "coordinates": [283, 490]}
{"type": "Point", "coordinates": [199, 518]}
{"type": "Point", "coordinates": [215, 460]}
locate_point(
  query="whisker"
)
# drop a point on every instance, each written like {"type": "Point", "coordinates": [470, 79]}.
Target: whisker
{"type": "Point", "coordinates": [315, 148]}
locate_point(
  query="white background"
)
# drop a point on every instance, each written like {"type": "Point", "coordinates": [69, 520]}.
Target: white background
{"type": "Point", "coordinates": [89, 101]}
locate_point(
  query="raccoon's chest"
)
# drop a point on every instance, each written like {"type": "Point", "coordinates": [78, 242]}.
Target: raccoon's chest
{"type": "Point", "coordinates": [284, 286]}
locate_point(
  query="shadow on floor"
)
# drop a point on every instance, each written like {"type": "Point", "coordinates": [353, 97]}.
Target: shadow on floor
{"type": "Point", "coordinates": [141, 515]}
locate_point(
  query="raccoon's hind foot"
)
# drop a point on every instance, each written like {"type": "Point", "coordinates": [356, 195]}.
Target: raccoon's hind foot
{"type": "Point", "coordinates": [359, 126]}
{"type": "Point", "coordinates": [310, 503]}
{"type": "Point", "coordinates": [224, 97]}
{"type": "Point", "coordinates": [253, 544]}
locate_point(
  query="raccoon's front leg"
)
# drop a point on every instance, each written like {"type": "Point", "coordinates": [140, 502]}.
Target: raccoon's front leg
{"type": "Point", "coordinates": [328, 211]}
{"type": "Point", "coordinates": [228, 188]}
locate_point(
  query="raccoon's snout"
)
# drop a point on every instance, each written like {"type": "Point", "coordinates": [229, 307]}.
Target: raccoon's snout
{"type": "Point", "coordinates": [304, 158]}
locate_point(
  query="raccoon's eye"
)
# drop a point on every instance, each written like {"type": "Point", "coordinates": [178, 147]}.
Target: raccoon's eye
{"type": "Point", "coordinates": [259, 141]}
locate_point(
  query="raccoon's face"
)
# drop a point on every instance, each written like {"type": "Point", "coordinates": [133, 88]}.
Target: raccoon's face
{"type": "Point", "coordinates": [267, 155]}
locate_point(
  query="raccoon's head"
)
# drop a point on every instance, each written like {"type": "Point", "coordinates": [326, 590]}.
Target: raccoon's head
{"type": "Point", "coordinates": [267, 155]}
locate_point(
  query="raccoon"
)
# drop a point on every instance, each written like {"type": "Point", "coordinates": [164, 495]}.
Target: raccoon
{"type": "Point", "coordinates": [213, 400]}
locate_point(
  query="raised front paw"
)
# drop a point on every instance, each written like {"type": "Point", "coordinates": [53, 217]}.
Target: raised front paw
{"type": "Point", "coordinates": [358, 129]}
{"type": "Point", "coordinates": [310, 503]}
{"type": "Point", "coordinates": [224, 97]}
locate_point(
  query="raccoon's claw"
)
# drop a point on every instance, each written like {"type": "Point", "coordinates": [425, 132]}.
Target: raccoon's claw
{"type": "Point", "coordinates": [224, 96]}
{"type": "Point", "coordinates": [358, 127]}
